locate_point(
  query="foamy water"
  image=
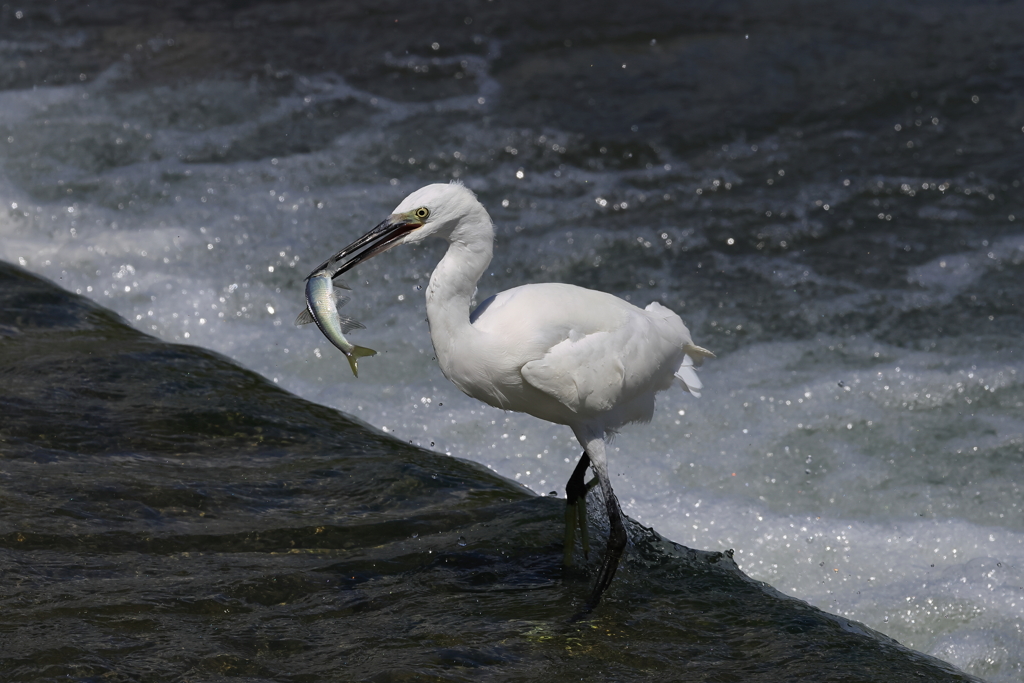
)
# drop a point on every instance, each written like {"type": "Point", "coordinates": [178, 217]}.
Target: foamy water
{"type": "Point", "coordinates": [871, 476]}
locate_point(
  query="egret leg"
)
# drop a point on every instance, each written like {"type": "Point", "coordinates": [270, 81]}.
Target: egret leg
{"type": "Point", "coordinates": [581, 516]}
{"type": "Point", "coordinates": [576, 510]}
{"type": "Point", "coordinates": [594, 444]}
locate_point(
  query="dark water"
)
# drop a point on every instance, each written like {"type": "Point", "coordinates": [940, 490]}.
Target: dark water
{"type": "Point", "coordinates": [169, 516]}
{"type": "Point", "coordinates": [828, 193]}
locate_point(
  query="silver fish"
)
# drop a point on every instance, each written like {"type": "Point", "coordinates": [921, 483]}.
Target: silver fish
{"type": "Point", "coordinates": [322, 309]}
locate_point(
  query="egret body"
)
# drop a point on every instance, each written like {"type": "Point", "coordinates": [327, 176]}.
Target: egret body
{"type": "Point", "coordinates": [565, 354]}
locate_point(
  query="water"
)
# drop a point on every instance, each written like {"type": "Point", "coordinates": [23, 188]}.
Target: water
{"type": "Point", "coordinates": [831, 203]}
{"type": "Point", "coordinates": [169, 515]}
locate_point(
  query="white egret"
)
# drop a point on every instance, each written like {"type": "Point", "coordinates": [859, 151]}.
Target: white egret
{"type": "Point", "coordinates": [565, 354]}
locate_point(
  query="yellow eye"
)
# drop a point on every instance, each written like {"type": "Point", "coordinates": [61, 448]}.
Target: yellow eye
{"type": "Point", "coordinates": [422, 213]}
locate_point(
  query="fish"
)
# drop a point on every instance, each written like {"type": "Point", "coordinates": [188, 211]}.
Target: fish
{"type": "Point", "coordinates": [322, 308]}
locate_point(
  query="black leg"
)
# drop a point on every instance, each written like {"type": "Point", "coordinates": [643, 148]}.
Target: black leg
{"type": "Point", "coordinates": [576, 487]}
{"type": "Point", "coordinates": [593, 443]}
{"type": "Point", "coordinates": [616, 536]}
{"type": "Point", "coordinates": [576, 510]}
{"type": "Point", "coordinates": [616, 544]}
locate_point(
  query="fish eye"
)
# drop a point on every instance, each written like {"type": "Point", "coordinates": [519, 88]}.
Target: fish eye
{"type": "Point", "coordinates": [422, 213]}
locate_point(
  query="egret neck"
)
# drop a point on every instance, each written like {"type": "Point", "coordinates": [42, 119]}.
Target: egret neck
{"type": "Point", "coordinates": [453, 285]}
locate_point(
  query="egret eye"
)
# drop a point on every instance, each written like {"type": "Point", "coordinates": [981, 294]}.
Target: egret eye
{"type": "Point", "coordinates": [422, 213]}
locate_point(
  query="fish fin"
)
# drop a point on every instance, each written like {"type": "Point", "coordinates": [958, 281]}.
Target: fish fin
{"type": "Point", "coordinates": [304, 318]}
{"type": "Point", "coordinates": [340, 299]}
{"type": "Point", "coordinates": [697, 353]}
{"type": "Point", "coordinates": [357, 353]}
{"type": "Point", "coordinates": [341, 284]}
{"type": "Point", "coordinates": [348, 324]}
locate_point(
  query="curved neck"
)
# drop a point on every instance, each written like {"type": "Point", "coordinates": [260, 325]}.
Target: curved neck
{"type": "Point", "coordinates": [451, 289]}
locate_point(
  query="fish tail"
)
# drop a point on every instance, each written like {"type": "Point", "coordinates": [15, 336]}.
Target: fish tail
{"type": "Point", "coordinates": [354, 356]}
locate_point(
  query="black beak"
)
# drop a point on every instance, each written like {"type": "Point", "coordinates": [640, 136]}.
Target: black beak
{"type": "Point", "coordinates": [377, 241]}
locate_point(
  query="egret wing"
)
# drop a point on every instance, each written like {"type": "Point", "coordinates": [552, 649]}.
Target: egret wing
{"type": "Point", "coordinates": [584, 374]}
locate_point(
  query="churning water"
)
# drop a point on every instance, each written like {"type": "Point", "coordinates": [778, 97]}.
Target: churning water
{"type": "Point", "coordinates": [831, 200]}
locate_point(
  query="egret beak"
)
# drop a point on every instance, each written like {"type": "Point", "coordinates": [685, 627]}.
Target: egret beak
{"type": "Point", "coordinates": [377, 241]}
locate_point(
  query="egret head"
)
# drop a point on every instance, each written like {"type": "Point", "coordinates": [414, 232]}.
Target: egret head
{"type": "Point", "coordinates": [448, 211]}
{"type": "Point", "coordinates": [441, 210]}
